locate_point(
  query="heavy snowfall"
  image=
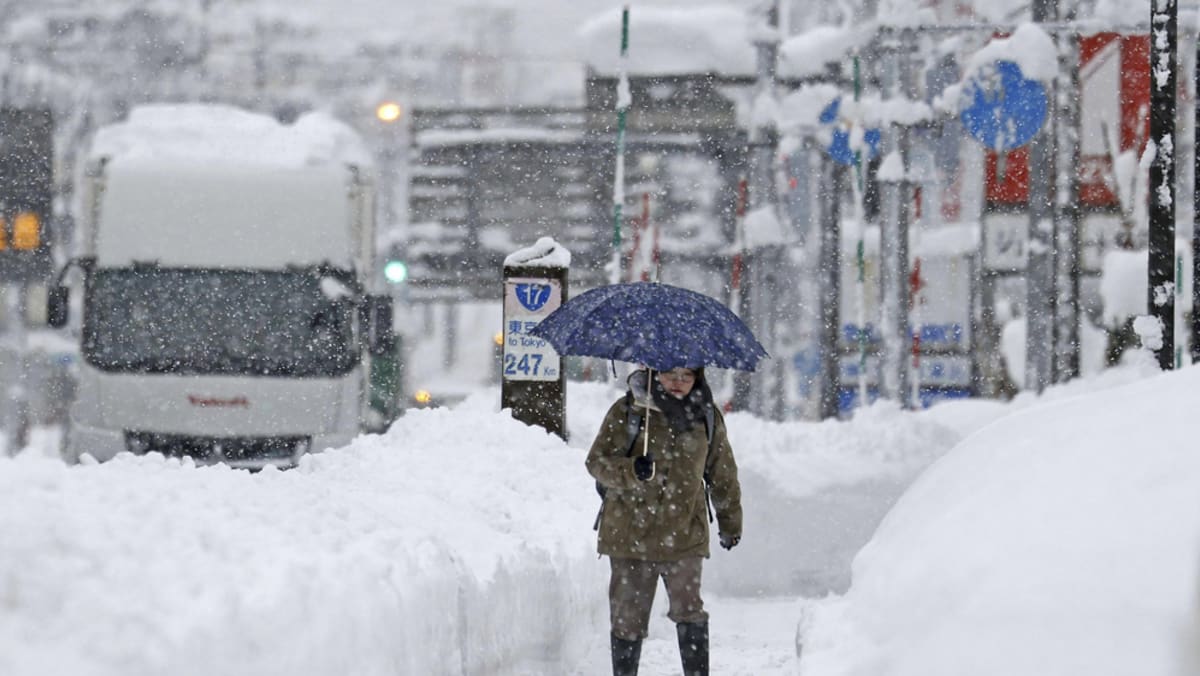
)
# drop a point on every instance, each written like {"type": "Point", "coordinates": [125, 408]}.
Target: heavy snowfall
{"type": "Point", "coordinates": [277, 231]}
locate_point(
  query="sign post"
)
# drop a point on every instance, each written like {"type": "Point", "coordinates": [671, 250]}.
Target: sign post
{"type": "Point", "coordinates": [533, 382]}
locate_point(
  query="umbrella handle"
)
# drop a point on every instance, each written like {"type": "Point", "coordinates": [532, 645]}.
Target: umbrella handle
{"type": "Point", "coordinates": [649, 390]}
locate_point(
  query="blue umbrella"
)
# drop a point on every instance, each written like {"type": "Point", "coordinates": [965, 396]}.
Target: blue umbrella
{"type": "Point", "coordinates": [659, 325]}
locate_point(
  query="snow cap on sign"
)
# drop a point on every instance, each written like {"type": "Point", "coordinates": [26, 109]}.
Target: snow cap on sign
{"type": "Point", "coordinates": [544, 253]}
{"type": "Point", "coordinates": [1030, 47]}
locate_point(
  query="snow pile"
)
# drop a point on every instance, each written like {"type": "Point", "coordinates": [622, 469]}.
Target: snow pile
{"type": "Point", "coordinates": [1123, 282]}
{"type": "Point", "coordinates": [814, 492]}
{"type": "Point", "coordinates": [882, 442]}
{"type": "Point", "coordinates": [764, 229]}
{"type": "Point", "coordinates": [222, 134]}
{"type": "Point", "coordinates": [447, 546]}
{"type": "Point", "coordinates": [1063, 539]}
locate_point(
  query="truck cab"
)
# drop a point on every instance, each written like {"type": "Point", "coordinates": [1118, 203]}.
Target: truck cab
{"type": "Point", "coordinates": [225, 296]}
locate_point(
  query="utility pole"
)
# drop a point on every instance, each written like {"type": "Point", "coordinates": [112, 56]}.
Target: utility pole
{"type": "Point", "coordinates": [1196, 217]}
{"type": "Point", "coordinates": [1067, 218]}
{"type": "Point", "coordinates": [832, 178]}
{"type": "Point", "coordinates": [1161, 271]}
{"type": "Point", "coordinates": [895, 194]}
{"type": "Point", "coordinates": [1040, 305]}
{"type": "Point", "coordinates": [764, 262]}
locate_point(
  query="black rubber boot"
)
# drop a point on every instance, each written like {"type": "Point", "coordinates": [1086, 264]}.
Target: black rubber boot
{"type": "Point", "coordinates": [625, 656]}
{"type": "Point", "coordinates": [693, 647]}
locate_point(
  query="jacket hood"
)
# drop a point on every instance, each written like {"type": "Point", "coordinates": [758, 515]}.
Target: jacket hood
{"type": "Point", "coordinates": [639, 387]}
{"type": "Point", "coordinates": [638, 383]}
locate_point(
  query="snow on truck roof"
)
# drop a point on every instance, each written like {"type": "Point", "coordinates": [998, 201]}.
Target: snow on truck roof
{"type": "Point", "coordinates": [226, 135]}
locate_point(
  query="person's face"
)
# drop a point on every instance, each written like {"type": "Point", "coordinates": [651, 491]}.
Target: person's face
{"type": "Point", "coordinates": [678, 382]}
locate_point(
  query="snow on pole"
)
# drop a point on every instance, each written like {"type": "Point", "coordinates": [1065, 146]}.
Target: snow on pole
{"type": "Point", "coordinates": [623, 102]}
{"type": "Point", "coordinates": [1161, 272]}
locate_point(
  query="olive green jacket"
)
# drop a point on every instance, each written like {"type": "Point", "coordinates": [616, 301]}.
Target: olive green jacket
{"type": "Point", "coordinates": [665, 518]}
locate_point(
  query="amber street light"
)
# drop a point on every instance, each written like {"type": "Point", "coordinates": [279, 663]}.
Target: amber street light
{"type": "Point", "coordinates": [388, 111]}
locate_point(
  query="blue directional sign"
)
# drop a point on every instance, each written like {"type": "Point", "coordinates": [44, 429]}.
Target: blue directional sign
{"type": "Point", "coordinates": [1002, 108]}
{"type": "Point", "coordinates": [533, 296]}
{"type": "Point", "coordinates": [839, 149]}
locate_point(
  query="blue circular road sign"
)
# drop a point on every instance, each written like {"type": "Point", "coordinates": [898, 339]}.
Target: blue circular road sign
{"type": "Point", "coordinates": [1002, 108]}
{"type": "Point", "coordinates": [839, 148]}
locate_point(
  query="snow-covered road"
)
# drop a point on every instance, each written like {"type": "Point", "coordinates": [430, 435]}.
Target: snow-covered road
{"type": "Point", "coordinates": [459, 544]}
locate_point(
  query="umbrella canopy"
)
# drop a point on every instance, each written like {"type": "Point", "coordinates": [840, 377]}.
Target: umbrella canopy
{"type": "Point", "coordinates": [659, 325]}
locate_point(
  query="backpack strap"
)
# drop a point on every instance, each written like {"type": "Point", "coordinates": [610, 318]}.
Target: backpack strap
{"type": "Point", "coordinates": [634, 421]}
{"type": "Point", "coordinates": [710, 424]}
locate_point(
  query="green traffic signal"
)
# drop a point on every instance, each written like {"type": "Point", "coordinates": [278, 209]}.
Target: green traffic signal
{"type": "Point", "coordinates": [395, 271]}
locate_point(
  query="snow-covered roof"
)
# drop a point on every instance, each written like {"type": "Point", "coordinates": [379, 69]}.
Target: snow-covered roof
{"type": "Point", "coordinates": [222, 134]}
{"type": "Point", "coordinates": [803, 107]}
{"type": "Point", "coordinates": [450, 137]}
{"type": "Point", "coordinates": [807, 54]}
{"type": "Point", "coordinates": [671, 41]}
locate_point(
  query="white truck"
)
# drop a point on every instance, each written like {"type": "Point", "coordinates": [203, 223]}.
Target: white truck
{"type": "Point", "coordinates": [226, 265]}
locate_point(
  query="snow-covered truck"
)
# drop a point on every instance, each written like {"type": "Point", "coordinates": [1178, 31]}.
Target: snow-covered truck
{"type": "Point", "coordinates": [227, 261]}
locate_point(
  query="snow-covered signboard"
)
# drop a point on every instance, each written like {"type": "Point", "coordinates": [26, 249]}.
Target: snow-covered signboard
{"type": "Point", "coordinates": [942, 308]}
{"type": "Point", "coordinates": [942, 311]}
{"type": "Point", "coordinates": [527, 301]}
{"type": "Point", "coordinates": [1005, 241]}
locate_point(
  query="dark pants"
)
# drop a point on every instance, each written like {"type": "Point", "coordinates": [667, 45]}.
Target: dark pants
{"type": "Point", "coordinates": [631, 594]}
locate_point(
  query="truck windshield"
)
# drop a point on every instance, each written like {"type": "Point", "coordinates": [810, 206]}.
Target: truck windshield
{"type": "Point", "coordinates": [237, 322]}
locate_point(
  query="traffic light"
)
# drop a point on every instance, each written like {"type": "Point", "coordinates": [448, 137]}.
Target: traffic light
{"type": "Point", "coordinates": [395, 271]}
{"type": "Point", "coordinates": [26, 193]}
{"type": "Point", "coordinates": [26, 231]}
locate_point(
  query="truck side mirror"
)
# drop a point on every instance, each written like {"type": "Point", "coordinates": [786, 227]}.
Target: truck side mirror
{"type": "Point", "coordinates": [57, 310]}
{"type": "Point", "coordinates": [381, 338]}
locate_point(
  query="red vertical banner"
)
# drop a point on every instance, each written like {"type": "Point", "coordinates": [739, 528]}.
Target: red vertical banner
{"type": "Point", "coordinates": [735, 275]}
{"type": "Point", "coordinates": [1006, 177]}
{"type": "Point", "coordinates": [1135, 91]}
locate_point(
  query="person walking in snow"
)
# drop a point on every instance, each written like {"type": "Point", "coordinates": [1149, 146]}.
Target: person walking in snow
{"type": "Point", "coordinates": [660, 454]}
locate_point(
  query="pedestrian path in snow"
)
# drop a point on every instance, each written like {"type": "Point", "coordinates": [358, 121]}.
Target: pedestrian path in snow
{"type": "Point", "coordinates": [749, 637]}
